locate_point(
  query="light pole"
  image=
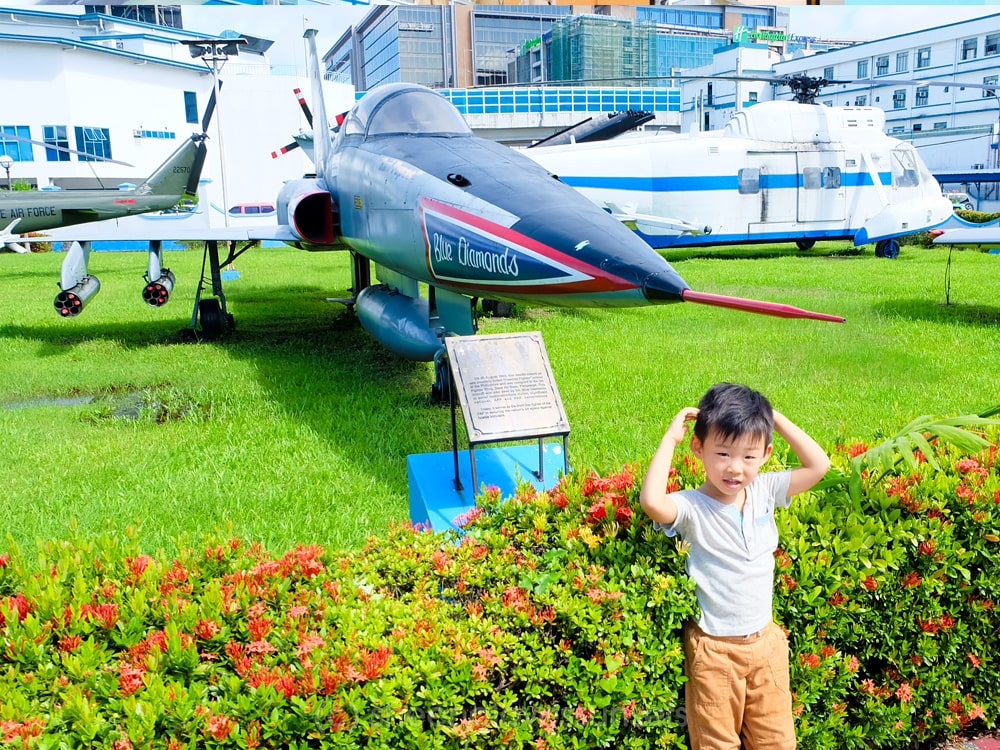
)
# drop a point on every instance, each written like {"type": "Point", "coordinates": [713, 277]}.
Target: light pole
{"type": "Point", "coordinates": [6, 162]}
{"type": "Point", "coordinates": [214, 53]}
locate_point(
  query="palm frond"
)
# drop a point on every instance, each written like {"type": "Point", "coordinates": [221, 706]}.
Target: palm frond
{"type": "Point", "coordinates": [901, 448]}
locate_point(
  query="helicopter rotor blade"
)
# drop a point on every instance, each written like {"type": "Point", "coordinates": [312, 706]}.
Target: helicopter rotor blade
{"type": "Point", "coordinates": [199, 161]}
{"type": "Point", "coordinates": [66, 149]}
{"type": "Point", "coordinates": [209, 110]}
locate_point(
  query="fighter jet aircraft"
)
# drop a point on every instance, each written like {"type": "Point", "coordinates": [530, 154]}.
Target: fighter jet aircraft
{"type": "Point", "coordinates": [406, 186]}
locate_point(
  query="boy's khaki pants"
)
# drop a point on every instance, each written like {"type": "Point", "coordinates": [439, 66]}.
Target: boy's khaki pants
{"type": "Point", "coordinates": [737, 689]}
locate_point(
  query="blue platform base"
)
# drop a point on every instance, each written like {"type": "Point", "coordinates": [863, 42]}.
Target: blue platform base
{"type": "Point", "coordinates": [434, 499]}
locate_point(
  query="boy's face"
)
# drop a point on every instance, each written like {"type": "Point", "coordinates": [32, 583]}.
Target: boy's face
{"type": "Point", "coordinates": [730, 463]}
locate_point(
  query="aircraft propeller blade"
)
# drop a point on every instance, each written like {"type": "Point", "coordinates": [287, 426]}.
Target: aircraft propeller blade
{"type": "Point", "coordinates": [756, 306]}
{"type": "Point", "coordinates": [285, 149]}
{"type": "Point", "coordinates": [305, 107]}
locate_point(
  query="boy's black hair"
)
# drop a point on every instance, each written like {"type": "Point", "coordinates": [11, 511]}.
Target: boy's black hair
{"type": "Point", "coordinates": [731, 410]}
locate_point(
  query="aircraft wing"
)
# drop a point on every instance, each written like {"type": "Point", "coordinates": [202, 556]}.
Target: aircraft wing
{"type": "Point", "coordinates": [981, 236]}
{"type": "Point", "coordinates": [652, 224]}
{"type": "Point", "coordinates": [96, 232]}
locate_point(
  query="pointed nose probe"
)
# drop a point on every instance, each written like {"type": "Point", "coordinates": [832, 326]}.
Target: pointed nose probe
{"type": "Point", "coordinates": [671, 288]}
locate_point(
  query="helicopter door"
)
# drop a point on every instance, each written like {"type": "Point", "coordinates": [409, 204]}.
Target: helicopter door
{"type": "Point", "coordinates": [768, 200]}
{"type": "Point", "coordinates": [822, 190]}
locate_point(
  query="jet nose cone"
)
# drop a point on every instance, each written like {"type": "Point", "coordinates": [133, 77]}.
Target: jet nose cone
{"type": "Point", "coordinates": [664, 286]}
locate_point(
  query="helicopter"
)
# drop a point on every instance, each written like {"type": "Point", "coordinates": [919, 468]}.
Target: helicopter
{"type": "Point", "coordinates": [25, 212]}
{"type": "Point", "coordinates": [778, 171]}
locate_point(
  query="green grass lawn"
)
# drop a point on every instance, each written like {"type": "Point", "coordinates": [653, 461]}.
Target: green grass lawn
{"type": "Point", "coordinates": [296, 427]}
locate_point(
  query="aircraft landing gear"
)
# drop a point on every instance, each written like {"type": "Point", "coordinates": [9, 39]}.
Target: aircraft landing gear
{"type": "Point", "coordinates": [214, 322]}
{"type": "Point", "coordinates": [441, 387]}
{"type": "Point", "coordinates": [887, 248]}
{"type": "Point", "coordinates": [805, 244]}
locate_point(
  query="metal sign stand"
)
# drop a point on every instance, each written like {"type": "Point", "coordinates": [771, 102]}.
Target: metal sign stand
{"type": "Point", "coordinates": [505, 386]}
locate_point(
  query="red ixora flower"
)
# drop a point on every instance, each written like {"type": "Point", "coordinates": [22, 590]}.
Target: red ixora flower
{"type": "Point", "coordinates": [904, 693]}
{"type": "Point", "coordinates": [910, 580]}
{"type": "Point", "coordinates": [219, 726]}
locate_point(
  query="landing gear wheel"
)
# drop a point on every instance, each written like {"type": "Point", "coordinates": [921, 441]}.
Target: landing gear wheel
{"type": "Point", "coordinates": [498, 309]}
{"type": "Point", "coordinates": [441, 388]}
{"type": "Point", "coordinates": [213, 322]}
{"type": "Point", "coordinates": [805, 244]}
{"type": "Point", "coordinates": [887, 248]}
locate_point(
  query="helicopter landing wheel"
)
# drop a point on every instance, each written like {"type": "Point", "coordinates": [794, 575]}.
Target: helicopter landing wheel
{"type": "Point", "coordinates": [805, 244]}
{"type": "Point", "coordinates": [887, 248]}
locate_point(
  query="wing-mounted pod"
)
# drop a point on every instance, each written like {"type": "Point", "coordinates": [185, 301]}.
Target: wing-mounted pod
{"type": "Point", "coordinates": [77, 287]}
{"type": "Point", "coordinates": [310, 211]}
{"type": "Point", "coordinates": [159, 281]}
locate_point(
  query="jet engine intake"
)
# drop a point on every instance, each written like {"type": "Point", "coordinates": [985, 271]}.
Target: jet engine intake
{"type": "Point", "coordinates": [310, 215]}
{"type": "Point", "coordinates": [157, 293]}
{"type": "Point", "coordinates": [70, 302]}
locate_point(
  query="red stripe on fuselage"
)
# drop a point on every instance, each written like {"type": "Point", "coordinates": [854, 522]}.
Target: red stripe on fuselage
{"type": "Point", "coordinates": [600, 280]}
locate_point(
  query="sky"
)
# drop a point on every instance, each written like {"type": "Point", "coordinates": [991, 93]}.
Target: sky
{"type": "Point", "coordinates": [865, 22]}
{"type": "Point", "coordinates": [285, 23]}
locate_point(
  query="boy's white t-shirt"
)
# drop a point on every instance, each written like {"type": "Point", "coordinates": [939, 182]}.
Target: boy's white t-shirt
{"type": "Point", "coordinates": [732, 554]}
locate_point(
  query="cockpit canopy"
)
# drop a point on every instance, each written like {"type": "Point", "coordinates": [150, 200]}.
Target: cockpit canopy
{"type": "Point", "coordinates": [404, 109]}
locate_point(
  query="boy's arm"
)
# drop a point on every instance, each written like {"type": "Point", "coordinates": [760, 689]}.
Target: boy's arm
{"type": "Point", "coordinates": [815, 462]}
{"type": "Point", "coordinates": [653, 496]}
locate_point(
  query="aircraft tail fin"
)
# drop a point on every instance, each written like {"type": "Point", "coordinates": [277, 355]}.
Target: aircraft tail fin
{"type": "Point", "coordinates": [179, 175]}
{"type": "Point", "coordinates": [321, 125]}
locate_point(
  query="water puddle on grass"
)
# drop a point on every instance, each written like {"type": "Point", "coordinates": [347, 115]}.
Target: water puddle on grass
{"type": "Point", "coordinates": [132, 406]}
{"type": "Point", "coordinates": [58, 401]}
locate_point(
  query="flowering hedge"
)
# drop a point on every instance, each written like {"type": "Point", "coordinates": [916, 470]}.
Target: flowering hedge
{"type": "Point", "coordinates": [552, 622]}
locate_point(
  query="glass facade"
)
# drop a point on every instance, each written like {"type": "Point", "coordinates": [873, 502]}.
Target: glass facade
{"type": "Point", "coordinates": [703, 17]}
{"type": "Point", "coordinates": [563, 99]}
{"type": "Point", "coordinates": [496, 34]}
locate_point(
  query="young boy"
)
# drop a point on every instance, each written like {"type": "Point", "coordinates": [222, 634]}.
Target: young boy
{"type": "Point", "coordinates": [736, 656]}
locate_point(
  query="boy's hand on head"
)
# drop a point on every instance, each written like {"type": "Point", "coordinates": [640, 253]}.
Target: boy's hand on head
{"type": "Point", "coordinates": [678, 429]}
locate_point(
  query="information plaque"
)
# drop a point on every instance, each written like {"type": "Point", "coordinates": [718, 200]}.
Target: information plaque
{"type": "Point", "coordinates": [506, 389]}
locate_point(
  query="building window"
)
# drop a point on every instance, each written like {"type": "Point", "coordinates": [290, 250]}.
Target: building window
{"type": "Point", "coordinates": [18, 150]}
{"type": "Point", "coordinates": [190, 106]}
{"type": "Point", "coordinates": [899, 99]}
{"type": "Point", "coordinates": [920, 100]}
{"type": "Point", "coordinates": [989, 81]}
{"type": "Point", "coordinates": [923, 57]}
{"type": "Point", "coordinates": [752, 98]}
{"type": "Point", "coordinates": [940, 125]}
{"type": "Point", "coordinates": [969, 47]}
{"type": "Point", "coordinates": [93, 141]}
{"type": "Point", "coordinates": [55, 135]}
{"type": "Point", "coordinates": [861, 100]}
{"type": "Point", "coordinates": [917, 127]}
{"type": "Point", "coordinates": [898, 129]}
{"type": "Point", "coordinates": [882, 65]}
{"type": "Point", "coordinates": [992, 45]}
{"type": "Point", "coordinates": [828, 73]}
{"type": "Point", "coordinates": [902, 62]}
{"type": "Point", "coordinates": [862, 68]}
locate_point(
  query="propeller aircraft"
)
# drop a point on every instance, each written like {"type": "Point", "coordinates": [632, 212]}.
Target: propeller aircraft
{"type": "Point", "coordinates": [406, 186]}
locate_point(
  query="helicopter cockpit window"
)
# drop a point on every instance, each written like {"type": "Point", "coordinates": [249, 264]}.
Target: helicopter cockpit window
{"type": "Point", "coordinates": [905, 171]}
{"type": "Point", "coordinates": [416, 112]}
